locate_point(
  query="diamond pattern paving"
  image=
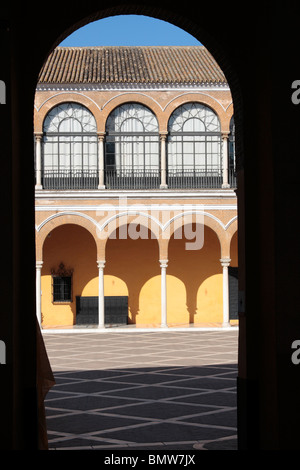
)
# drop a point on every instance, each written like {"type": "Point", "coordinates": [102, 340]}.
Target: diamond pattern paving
{"type": "Point", "coordinates": [143, 390]}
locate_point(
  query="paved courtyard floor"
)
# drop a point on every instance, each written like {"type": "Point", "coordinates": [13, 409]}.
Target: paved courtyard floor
{"type": "Point", "coordinates": [150, 390]}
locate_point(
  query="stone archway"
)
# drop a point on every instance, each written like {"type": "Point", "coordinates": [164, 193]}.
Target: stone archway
{"type": "Point", "coordinates": [69, 254]}
{"type": "Point", "coordinates": [69, 20]}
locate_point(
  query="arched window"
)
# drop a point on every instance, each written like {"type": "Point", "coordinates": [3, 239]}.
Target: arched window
{"type": "Point", "coordinates": [69, 148]}
{"type": "Point", "coordinates": [194, 147]}
{"type": "Point", "coordinates": [132, 148]}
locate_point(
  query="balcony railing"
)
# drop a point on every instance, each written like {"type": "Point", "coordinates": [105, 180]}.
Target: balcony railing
{"type": "Point", "coordinates": [134, 179]}
{"type": "Point", "coordinates": [70, 179]}
{"type": "Point", "coordinates": [128, 178]}
{"type": "Point", "coordinates": [194, 179]}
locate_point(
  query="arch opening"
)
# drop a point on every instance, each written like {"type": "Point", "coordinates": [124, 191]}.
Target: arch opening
{"type": "Point", "coordinates": [69, 157]}
{"type": "Point", "coordinates": [69, 271]}
{"type": "Point", "coordinates": [132, 255]}
{"type": "Point", "coordinates": [144, 287]}
{"type": "Point", "coordinates": [132, 148]}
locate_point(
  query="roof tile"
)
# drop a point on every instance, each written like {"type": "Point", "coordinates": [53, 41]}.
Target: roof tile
{"type": "Point", "coordinates": [138, 64]}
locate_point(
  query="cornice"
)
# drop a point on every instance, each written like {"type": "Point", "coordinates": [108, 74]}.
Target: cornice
{"type": "Point", "coordinates": [135, 195]}
{"type": "Point", "coordinates": [130, 86]}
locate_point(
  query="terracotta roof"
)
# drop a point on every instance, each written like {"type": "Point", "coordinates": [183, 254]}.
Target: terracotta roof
{"type": "Point", "coordinates": [157, 64]}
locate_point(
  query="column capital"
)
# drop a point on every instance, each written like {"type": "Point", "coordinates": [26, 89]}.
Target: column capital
{"type": "Point", "coordinates": [101, 135]}
{"type": "Point", "coordinates": [163, 135]}
{"type": "Point", "coordinates": [225, 135]}
{"type": "Point", "coordinates": [38, 135]}
{"type": "Point", "coordinates": [101, 264]}
{"type": "Point", "coordinates": [163, 263]}
{"type": "Point", "coordinates": [225, 262]}
{"type": "Point", "coordinates": [39, 264]}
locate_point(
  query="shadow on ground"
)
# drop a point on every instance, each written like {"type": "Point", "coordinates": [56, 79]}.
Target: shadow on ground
{"type": "Point", "coordinates": [161, 408]}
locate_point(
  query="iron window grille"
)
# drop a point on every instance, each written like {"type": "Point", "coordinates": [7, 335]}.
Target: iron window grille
{"type": "Point", "coordinates": [132, 148]}
{"type": "Point", "coordinates": [62, 288]}
{"type": "Point", "coordinates": [62, 281]}
{"type": "Point", "coordinates": [69, 149]}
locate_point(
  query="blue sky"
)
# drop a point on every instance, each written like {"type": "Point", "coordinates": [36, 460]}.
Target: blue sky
{"type": "Point", "coordinates": [130, 30]}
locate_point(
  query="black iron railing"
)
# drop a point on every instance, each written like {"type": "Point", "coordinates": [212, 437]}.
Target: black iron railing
{"type": "Point", "coordinates": [130, 178]}
{"type": "Point", "coordinates": [194, 179]}
{"type": "Point", "coordinates": [134, 179]}
{"type": "Point", "coordinates": [70, 179]}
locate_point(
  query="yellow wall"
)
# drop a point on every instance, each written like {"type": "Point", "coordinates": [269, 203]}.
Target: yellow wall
{"type": "Point", "coordinates": [75, 247]}
{"type": "Point", "coordinates": [195, 281]}
{"type": "Point", "coordinates": [136, 263]}
{"type": "Point", "coordinates": [194, 277]}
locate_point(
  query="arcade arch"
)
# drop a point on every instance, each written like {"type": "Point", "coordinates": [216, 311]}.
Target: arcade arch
{"type": "Point", "coordinates": [69, 271]}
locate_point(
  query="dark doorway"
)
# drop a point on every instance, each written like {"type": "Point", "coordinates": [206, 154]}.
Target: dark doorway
{"type": "Point", "coordinates": [116, 310]}
{"type": "Point", "coordinates": [233, 293]}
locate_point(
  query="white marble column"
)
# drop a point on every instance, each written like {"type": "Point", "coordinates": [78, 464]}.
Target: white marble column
{"type": "Point", "coordinates": [225, 183]}
{"type": "Point", "coordinates": [38, 290]}
{"type": "Point", "coordinates": [101, 160]}
{"type": "Point", "coordinates": [163, 267]}
{"type": "Point", "coordinates": [225, 263]}
{"type": "Point", "coordinates": [38, 161]}
{"type": "Point", "coordinates": [163, 161]}
{"type": "Point", "coordinates": [101, 316]}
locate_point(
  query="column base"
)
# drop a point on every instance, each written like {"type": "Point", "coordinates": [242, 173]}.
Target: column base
{"type": "Point", "coordinates": [101, 187]}
{"type": "Point", "coordinates": [38, 186]}
{"type": "Point", "coordinates": [226, 325]}
{"type": "Point", "coordinates": [225, 186]}
{"type": "Point", "coordinates": [163, 186]}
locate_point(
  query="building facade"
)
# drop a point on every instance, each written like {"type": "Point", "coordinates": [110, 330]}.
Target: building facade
{"type": "Point", "coordinates": [136, 210]}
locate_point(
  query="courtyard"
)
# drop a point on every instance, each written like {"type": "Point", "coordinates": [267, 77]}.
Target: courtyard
{"type": "Point", "coordinates": [156, 389]}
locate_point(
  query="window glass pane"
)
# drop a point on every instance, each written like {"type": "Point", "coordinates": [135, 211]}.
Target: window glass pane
{"type": "Point", "coordinates": [175, 152]}
{"type": "Point", "coordinates": [188, 161]}
{"type": "Point", "coordinates": [70, 125]}
{"type": "Point", "coordinates": [194, 114]}
{"type": "Point", "coordinates": [50, 152]}
{"type": "Point", "coordinates": [213, 154]}
{"type": "Point", "coordinates": [67, 124]}
{"type": "Point", "coordinates": [90, 160]}
{"type": "Point", "coordinates": [131, 125]}
{"type": "Point", "coordinates": [140, 119]}
{"type": "Point", "coordinates": [73, 117]}
{"type": "Point", "coordinates": [64, 153]}
{"type": "Point", "coordinates": [152, 154]}
{"type": "Point", "coordinates": [188, 148]}
{"type": "Point", "coordinates": [195, 125]}
{"type": "Point", "coordinates": [76, 155]}
{"type": "Point", "coordinates": [200, 148]}
{"type": "Point", "coordinates": [200, 162]}
{"type": "Point", "coordinates": [134, 149]}
{"type": "Point", "coordinates": [62, 288]}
